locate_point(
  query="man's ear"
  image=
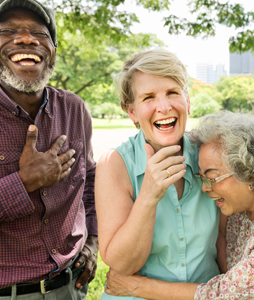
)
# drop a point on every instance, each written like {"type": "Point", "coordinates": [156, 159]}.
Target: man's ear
{"type": "Point", "coordinates": [132, 113]}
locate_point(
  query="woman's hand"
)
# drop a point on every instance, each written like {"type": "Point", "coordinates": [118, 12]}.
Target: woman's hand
{"type": "Point", "coordinates": [162, 170]}
{"type": "Point", "coordinates": [118, 285]}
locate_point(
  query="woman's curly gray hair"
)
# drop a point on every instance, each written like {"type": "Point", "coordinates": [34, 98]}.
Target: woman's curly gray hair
{"type": "Point", "coordinates": [233, 134]}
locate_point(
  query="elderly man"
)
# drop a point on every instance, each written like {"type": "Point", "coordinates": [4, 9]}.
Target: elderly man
{"type": "Point", "coordinates": [48, 229]}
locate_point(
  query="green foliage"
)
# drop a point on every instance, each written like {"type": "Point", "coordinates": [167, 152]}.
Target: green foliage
{"type": "Point", "coordinates": [98, 19]}
{"type": "Point", "coordinates": [87, 70]}
{"type": "Point", "coordinates": [231, 93]}
{"type": "Point", "coordinates": [96, 287]}
{"type": "Point", "coordinates": [203, 104]}
{"type": "Point", "coordinates": [108, 110]}
{"type": "Point", "coordinates": [209, 13]}
{"type": "Point", "coordinates": [236, 93]}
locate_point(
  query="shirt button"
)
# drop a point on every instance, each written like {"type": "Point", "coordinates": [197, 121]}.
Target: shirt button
{"type": "Point", "coordinates": [44, 193]}
{"type": "Point", "coordinates": [14, 113]}
{"type": "Point", "coordinates": [182, 264]}
{"type": "Point", "coordinates": [181, 238]}
{"type": "Point", "coordinates": [46, 110]}
{"type": "Point", "coordinates": [177, 209]}
{"type": "Point", "coordinates": [46, 221]}
{"type": "Point", "coordinates": [2, 157]}
{"type": "Point", "coordinates": [53, 251]}
{"type": "Point", "coordinates": [191, 186]}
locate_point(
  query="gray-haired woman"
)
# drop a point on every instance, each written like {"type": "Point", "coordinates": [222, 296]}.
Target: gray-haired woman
{"type": "Point", "coordinates": [152, 215]}
{"type": "Point", "coordinates": [226, 168]}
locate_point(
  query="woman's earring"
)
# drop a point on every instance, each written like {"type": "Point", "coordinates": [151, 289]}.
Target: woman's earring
{"type": "Point", "coordinates": [137, 125]}
{"type": "Point", "coordinates": [250, 187]}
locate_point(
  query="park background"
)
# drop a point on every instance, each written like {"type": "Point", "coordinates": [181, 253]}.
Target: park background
{"type": "Point", "coordinates": [96, 36]}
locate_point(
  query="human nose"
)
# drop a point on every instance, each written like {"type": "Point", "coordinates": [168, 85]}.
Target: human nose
{"type": "Point", "coordinates": [205, 188]}
{"type": "Point", "coordinates": [26, 38]}
{"type": "Point", "coordinates": [163, 104]}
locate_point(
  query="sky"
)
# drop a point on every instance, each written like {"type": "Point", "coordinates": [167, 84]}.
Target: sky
{"type": "Point", "coordinates": [190, 50]}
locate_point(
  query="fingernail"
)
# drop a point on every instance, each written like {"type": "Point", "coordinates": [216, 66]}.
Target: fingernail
{"type": "Point", "coordinates": [31, 128]}
{"type": "Point", "coordinates": [64, 137]}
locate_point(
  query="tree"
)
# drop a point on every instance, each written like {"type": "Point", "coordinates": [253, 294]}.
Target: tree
{"type": "Point", "coordinates": [203, 104]}
{"type": "Point", "coordinates": [236, 93]}
{"type": "Point", "coordinates": [98, 18]}
{"type": "Point", "coordinates": [87, 70]}
{"type": "Point", "coordinates": [208, 14]}
{"type": "Point", "coordinates": [107, 109]}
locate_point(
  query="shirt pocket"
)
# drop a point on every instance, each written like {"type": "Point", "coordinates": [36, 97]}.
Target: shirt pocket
{"type": "Point", "coordinates": [78, 169]}
{"type": "Point", "coordinates": [9, 162]}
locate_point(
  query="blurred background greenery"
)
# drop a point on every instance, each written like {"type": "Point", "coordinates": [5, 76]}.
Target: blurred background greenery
{"type": "Point", "coordinates": [95, 38]}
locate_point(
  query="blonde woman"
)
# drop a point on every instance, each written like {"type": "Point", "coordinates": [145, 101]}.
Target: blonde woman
{"type": "Point", "coordinates": [152, 215]}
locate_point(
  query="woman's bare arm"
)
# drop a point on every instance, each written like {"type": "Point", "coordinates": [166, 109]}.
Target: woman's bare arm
{"type": "Point", "coordinates": [124, 241]}
{"type": "Point", "coordinates": [125, 229]}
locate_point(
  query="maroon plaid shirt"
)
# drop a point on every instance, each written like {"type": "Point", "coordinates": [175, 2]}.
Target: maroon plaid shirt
{"type": "Point", "coordinates": [41, 231]}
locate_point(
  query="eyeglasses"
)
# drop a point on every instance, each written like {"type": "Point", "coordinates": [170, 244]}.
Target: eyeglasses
{"type": "Point", "coordinates": [209, 182]}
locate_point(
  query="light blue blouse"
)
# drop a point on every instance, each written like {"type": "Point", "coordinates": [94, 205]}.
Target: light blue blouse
{"type": "Point", "coordinates": [186, 230]}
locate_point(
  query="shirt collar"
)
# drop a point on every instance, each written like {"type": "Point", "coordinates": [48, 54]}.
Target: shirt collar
{"type": "Point", "coordinates": [13, 106]}
{"type": "Point", "coordinates": [190, 152]}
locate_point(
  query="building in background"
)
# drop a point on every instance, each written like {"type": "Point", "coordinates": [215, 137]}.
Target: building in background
{"type": "Point", "coordinates": [241, 64]}
{"type": "Point", "coordinates": [207, 74]}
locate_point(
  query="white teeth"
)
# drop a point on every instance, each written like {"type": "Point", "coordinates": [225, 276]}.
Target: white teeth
{"type": "Point", "coordinates": [168, 121]}
{"type": "Point", "coordinates": [19, 57]}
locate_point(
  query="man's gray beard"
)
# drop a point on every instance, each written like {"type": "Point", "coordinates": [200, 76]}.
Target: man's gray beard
{"type": "Point", "coordinates": [26, 86]}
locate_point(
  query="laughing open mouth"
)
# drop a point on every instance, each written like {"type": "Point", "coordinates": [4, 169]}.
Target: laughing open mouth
{"type": "Point", "coordinates": [26, 59]}
{"type": "Point", "coordinates": [165, 124]}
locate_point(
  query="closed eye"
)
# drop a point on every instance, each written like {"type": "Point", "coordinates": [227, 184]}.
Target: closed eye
{"type": "Point", "coordinates": [6, 31]}
{"type": "Point", "coordinates": [172, 92]}
{"type": "Point", "coordinates": [148, 97]}
{"type": "Point", "coordinates": [40, 34]}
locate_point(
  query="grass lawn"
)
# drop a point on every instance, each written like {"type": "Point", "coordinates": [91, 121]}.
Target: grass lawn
{"type": "Point", "coordinates": [113, 124]}
{"type": "Point", "coordinates": [127, 123]}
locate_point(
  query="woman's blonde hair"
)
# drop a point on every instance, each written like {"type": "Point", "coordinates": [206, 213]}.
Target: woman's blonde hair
{"type": "Point", "coordinates": [154, 62]}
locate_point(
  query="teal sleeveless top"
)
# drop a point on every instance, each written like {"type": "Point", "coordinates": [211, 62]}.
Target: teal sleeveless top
{"type": "Point", "coordinates": [185, 231]}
